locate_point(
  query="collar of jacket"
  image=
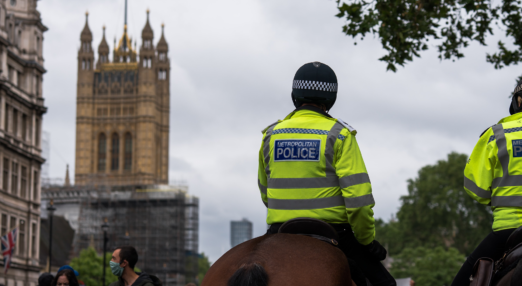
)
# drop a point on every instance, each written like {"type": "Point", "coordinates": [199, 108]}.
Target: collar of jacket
{"type": "Point", "coordinates": [513, 117]}
{"type": "Point", "coordinates": [308, 110]}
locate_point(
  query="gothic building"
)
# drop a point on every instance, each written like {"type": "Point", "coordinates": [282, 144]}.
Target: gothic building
{"type": "Point", "coordinates": [21, 110]}
{"type": "Point", "coordinates": [122, 116]}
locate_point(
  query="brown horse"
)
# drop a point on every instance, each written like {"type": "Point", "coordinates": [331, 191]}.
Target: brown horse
{"type": "Point", "coordinates": [280, 259]}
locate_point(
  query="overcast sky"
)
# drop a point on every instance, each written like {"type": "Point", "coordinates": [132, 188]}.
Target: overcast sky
{"type": "Point", "coordinates": [232, 65]}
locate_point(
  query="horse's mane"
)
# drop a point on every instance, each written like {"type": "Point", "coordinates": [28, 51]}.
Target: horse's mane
{"type": "Point", "coordinates": [251, 274]}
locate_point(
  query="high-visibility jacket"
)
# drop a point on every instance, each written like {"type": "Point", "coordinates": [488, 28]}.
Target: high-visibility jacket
{"type": "Point", "coordinates": [310, 166]}
{"type": "Point", "coordinates": [493, 174]}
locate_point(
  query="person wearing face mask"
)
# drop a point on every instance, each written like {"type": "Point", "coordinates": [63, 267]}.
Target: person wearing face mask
{"type": "Point", "coordinates": [122, 265]}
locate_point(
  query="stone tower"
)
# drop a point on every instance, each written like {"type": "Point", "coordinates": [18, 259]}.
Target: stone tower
{"type": "Point", "coordinates": [122, 116]}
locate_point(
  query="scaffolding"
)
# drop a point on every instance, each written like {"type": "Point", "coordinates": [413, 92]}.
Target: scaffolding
{"type": "Point", "coordinates": [161, 222]}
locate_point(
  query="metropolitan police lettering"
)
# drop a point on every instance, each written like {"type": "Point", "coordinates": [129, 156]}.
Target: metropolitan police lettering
{"type": "Point", "coordinates": [517, 148]}
{"type": "Point", "coordinates": [296, 150]}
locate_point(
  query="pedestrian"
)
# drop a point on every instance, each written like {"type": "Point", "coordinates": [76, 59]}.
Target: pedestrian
{"type": "Point", "coordinates": [492, 177]}
{"type": "Point", "coordinates": [122, 264]}
{"type": "Point", "coordinates": [65, 277]}
{"type": "Point", "coordinates": [70, 268]}
{"type": "Point", "coordinates": [310, 166]}
{"type": "Point", "coordinates": [46, 279]}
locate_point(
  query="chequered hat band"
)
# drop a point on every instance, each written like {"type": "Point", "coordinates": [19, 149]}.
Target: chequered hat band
{"type": "Point", "coordinates": [518, 88]}
{"type": "Point", "coordinates": [315, 85]}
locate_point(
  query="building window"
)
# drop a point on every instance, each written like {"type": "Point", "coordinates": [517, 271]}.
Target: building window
{"type": "Point", "coordinates": [88, 67]}
{"type": "Point", "coordinates": [146, 44]}
{"type": "Point", "coordinates": [115, 152]}
{"type": "Point", "coordinates": [128, 151]}
{"type": "Point", "coordinates": [33, 240]}
{"type": "Point", "coordinates": [102, 152]}
{"type": "Point", "coordinates": [5, 178]}
{"type": "Point", "coordinates": [144, 62]}
{"type": "Point", "coordinates": [83, 64]}
{"type": "Point", "coordinates": [3, 226]}
{"type": "Point", "coordinates": [162, 75]}
{"type": "Point", "coordinates": [15, 122]}
{"type": "Point", "coordinates": [85, 47]}
{"type": "Point", "coordinates": [14, 178]}
{"type": "Point", "coordinates": [24, 127]}
{"type": "Point", "coordinates": [37, 132]}
{"type": "Point", "coordinates": [6, 118]}
{"type": "Point", "coordinates": [23, 183]}
{"type": "Point", "coordinates": [149, 63]}
{"type": "Point", "coordinates": [37, 85]}
{"type": "Point", "coordinates": [37, 45]}
{"type": "Point", "coordinates": [21, 236]}
{"type": "Point", "coordinates": [35, 186]}
{"type": "Point", "coordinates": [13, 2]}
{"type": "Point", "coordinates": [162, 56]}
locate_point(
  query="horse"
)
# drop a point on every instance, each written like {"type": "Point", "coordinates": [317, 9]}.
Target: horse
{"type": "Point", "coordinates": [280, 259]}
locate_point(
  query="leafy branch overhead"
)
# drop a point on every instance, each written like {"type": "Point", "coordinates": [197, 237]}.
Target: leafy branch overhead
{"type": "Point", "coordinates": [405, 27]}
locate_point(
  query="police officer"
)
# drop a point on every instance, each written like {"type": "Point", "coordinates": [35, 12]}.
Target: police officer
{"type": "Point", "coordinates": [493, 177]}
{"type": "Point", "coordinates": [310, 166]}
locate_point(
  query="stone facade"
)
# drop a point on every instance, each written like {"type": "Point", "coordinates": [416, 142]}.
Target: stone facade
{"type": "Point", "coordinates": [21, 110]}
{"type": "Point", "coordinates": [122, 116]}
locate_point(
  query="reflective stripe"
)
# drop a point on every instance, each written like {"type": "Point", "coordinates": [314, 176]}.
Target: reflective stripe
{"type": "Point", "coordinates": [506, 201]}
{"type": "Point", "coordinates": [261, 187]}
{"type": "Point", "coordinates": [306, 204]}
{"type": "Point", "coordinates": [509, 181]}
{"type": "Point", "coordinates": [359, 202]}
{"type": "Point", "coordinates": [470, 185]}
{"type": "Point", "coordinates": [329, 149]}
{"type": "Point", "coordinates": [355, 179]}
{"type": "Point", "coordinates": [303, 183]}
{"type": "Point", "coordinates": [502, 154]}
{"type": "Point", "coordinates": [266, 149]}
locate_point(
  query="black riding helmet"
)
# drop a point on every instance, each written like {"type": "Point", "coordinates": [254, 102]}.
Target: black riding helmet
{"type": "Point", "coordinates": [513, 108]}
{"type": "Point", "coordinates": [314, 83]}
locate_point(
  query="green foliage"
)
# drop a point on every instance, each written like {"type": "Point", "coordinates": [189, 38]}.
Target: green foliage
{"type": "Point", "coordinates": [89, 266]}
{"type": "Point", "coordinates": [204, 265]}
{"type": "Point", "coordinates": [428, 266]}
{"type": "Point", "coordinates": [438, 212]}
{"type": "Point", "coordinates": [406, 26]}
{"type": "Point", "coordinates": [389, 235]}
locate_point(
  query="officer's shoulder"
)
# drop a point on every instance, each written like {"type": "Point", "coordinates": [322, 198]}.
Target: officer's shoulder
{"type": "Point", "coordinates": [484, 132]}
{"type": "Point", "coordinates": [266, 128]}
{"type": "Point", "coordinates": [351, 129]}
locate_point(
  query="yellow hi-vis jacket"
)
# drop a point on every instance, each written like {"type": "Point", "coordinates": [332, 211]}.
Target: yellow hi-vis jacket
{"type": "Point", "coordinates": [493, 174]}
{"type": "Point", "coordinates": [310, 166]}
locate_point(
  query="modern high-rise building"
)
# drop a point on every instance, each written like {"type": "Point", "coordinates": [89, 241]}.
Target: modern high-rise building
{"type": "Point", "coordinates": [21, 111]}
{"type": "Point", "coordinates": [240, 231]}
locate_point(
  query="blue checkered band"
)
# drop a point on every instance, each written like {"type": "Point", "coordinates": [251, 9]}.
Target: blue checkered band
{"type": "Point", "coordinates": [315, 85]}
{"type": "Point", "coordinates": [509, 130]}
{"type": "Point", "coordinates": [300, 131]}
{"type": "Point", "coordinates": [304, 131]}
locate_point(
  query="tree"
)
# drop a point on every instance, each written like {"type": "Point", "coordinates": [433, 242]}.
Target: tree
{"type": "Point", "coordinates": [204, 265]}
{"type": "Point", "coordinates": [89, 266]}
{"type": "Point", "coordinates": [406, 26]}
{"type": "Point", "coordinates": [438, 212]}
{"type": "Point", "coordinates": [428, 266]}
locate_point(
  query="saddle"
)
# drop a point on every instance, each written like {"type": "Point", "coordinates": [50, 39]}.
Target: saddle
{"type": "Point", "coordinates": [489, 273]}
{"type": "Point", "coordinates": [311, 227]}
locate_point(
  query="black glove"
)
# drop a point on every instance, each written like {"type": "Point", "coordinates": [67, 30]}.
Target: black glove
{"type": "Point", "coordinates": [376, 250]}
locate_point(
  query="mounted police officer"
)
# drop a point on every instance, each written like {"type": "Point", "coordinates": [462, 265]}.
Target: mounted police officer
{"type": "Point", "coordinates": [310, 166]}
{"type": "Point", "coordinates": [493, 177]}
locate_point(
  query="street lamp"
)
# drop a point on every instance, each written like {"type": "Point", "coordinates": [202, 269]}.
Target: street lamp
{"type": "Point", "coordinates": [50, 211]}
{"type": "Point", "coordinates": [104, 227]}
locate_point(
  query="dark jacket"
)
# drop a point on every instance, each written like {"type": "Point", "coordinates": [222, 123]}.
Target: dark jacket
{"type": "Point", "coordinates": [144, 280]}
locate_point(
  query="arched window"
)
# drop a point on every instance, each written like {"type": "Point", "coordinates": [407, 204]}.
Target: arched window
{"type": "Point", "coordinates": [128, 151]}
{"type": "Point", "coordinates": [102, 152]}
{"type": "Point", "coordinates": [115, 152]}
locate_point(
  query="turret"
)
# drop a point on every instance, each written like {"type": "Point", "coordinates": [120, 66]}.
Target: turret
{"type": "Point", "coordinates": [147, 48]}
{"type": "Point", "coordinates": [103, 51]}
{"type": "Point", "coordinates": [85, 54]}
{"type": "Point", "coordinates": [163, 60]}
